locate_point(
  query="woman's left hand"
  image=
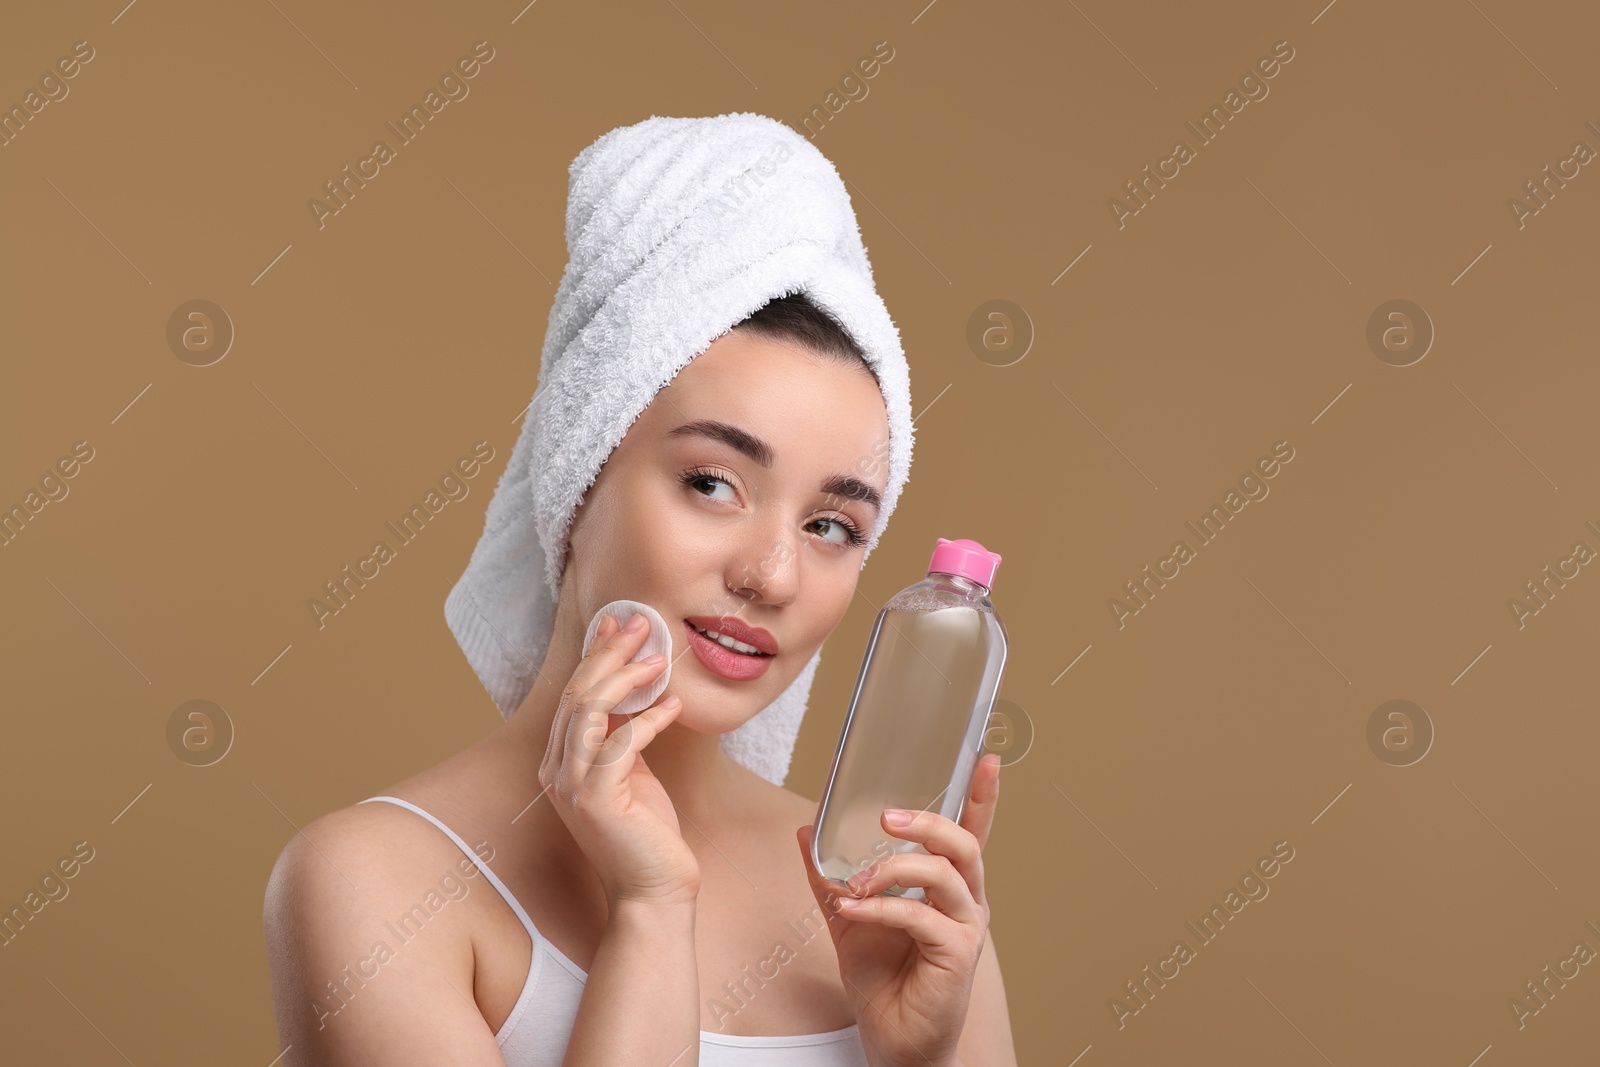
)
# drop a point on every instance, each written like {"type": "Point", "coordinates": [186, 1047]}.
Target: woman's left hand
{"type": "Point", "coordinates": [907, 965]}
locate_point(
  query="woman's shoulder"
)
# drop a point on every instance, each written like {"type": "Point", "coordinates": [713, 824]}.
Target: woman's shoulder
{"type": "Point", "coordinates": [361, 854]}
{"type": "Point", "coordinates": [375, 843]}
{"type": "Point", "coordinates": [338, 887]}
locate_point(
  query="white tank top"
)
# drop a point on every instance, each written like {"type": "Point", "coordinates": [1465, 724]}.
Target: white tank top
{"type": "Point", "coordinates": [536, 1032]}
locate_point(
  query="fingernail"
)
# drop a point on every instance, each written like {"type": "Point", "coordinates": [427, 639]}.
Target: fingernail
{"type": "Point", "coordinates": [637, 623]}
{"type": "Point", "coordinates": [897, 816]}
{"type": "Point", "coordinates": [653, 660]}
{"type": "Point", "coordinates": [857, 880]}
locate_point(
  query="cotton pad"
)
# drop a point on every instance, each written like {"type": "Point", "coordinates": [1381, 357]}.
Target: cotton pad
{"type": "Point", "coordinates": [659, 639]}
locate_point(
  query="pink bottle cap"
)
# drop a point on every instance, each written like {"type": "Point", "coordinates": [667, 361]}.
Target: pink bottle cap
{"type": "Point", "coordinates": [967, 558]}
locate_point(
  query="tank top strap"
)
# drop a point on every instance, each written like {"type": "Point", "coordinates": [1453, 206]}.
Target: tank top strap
{"type": "Point", "coordinates": [494, 879]}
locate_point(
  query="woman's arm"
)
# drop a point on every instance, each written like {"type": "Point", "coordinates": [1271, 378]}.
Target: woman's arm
{"type": "Point", "coordinates": [642, 1000]}
{"type": "Point", "coordinates": [345, 991]}
{"type": "Point", "coordinates": [986, 1038]}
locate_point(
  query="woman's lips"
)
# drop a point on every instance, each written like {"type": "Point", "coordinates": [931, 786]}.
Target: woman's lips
{"type": "Point", "coordinates": [732, 665]}
{"type": "Point", "coordinates": [738, 629]}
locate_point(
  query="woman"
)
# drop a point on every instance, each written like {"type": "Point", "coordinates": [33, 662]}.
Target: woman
{"type": "Point", "coordinates": [660, 907]}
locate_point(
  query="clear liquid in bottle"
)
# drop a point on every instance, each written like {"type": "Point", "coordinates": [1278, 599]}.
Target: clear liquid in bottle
{"type": "Point", "coordinates": [916, 723]}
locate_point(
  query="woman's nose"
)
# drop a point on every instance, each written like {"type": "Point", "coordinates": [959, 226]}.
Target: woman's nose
{"type": "Point", "coordinates": [767, 571]}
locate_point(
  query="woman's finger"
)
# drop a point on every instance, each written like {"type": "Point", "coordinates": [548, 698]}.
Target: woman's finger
{"type": "Point", "coordinates": [936, 876]}
{"type": "Point", "coordinates": [943, 837]}
{"type": "Point", "coordinates": [602, 680]}
{"type": "Point", "coordinates": [609, 625]}
{"type": "Point", "coordinates": [978, 816]}
{"type": "Point", "coordinates": [826, 890]}
{"type": "Point", "coordinates": [615, 760]}
{"type": "Point", "coordinates": [556, 744]}
{"type": "Point", "coordinates": [611, 648]}
{"type": "Point", "coordinates": [939, 935]}
{"type": "Point", "coordinates": [586, 726]}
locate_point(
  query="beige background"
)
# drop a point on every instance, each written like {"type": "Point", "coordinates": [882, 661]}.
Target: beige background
{"type": "Point", "coordinates": [1228, 315]}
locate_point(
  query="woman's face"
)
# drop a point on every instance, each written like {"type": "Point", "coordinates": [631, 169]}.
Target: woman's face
{"type": "Point", "coordinates": [680, 518]}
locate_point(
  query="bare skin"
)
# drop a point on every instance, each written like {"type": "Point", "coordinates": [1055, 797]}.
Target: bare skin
{"type": "Point", "coordinates": [752, 881]}
{"type": "Point", "coordinates": [641, 533]}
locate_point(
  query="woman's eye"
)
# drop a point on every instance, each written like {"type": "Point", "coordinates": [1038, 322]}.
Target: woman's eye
{"type": "Point", "coordinates": [844, 537]}
{"type": "Point", "coordinates": [850, 535]}
{"type": "Point", "coordinates": [695, 479]}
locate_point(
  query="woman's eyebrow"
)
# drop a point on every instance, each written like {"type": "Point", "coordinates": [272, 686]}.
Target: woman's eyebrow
{"type": "Point", "coordinates": [844, 485]}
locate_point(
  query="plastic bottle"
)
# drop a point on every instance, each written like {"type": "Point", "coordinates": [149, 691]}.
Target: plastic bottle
{"type": "Point", "coordinates": [916, 723]}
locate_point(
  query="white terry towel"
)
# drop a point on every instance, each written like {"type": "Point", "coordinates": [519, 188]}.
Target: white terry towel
{"type": "Point", "coordinates": [677, 230]}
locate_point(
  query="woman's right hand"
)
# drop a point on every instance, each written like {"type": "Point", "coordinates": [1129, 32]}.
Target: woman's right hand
{"type": "Point", "coordinates": [617, 810]}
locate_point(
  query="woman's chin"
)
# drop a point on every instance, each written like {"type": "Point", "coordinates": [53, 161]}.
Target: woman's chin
{"type": "Point", "coordinates": [716, 710]}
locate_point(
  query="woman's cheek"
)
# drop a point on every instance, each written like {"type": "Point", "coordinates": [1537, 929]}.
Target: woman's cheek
{"type": "Point", "coordinates": [674, 535]}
